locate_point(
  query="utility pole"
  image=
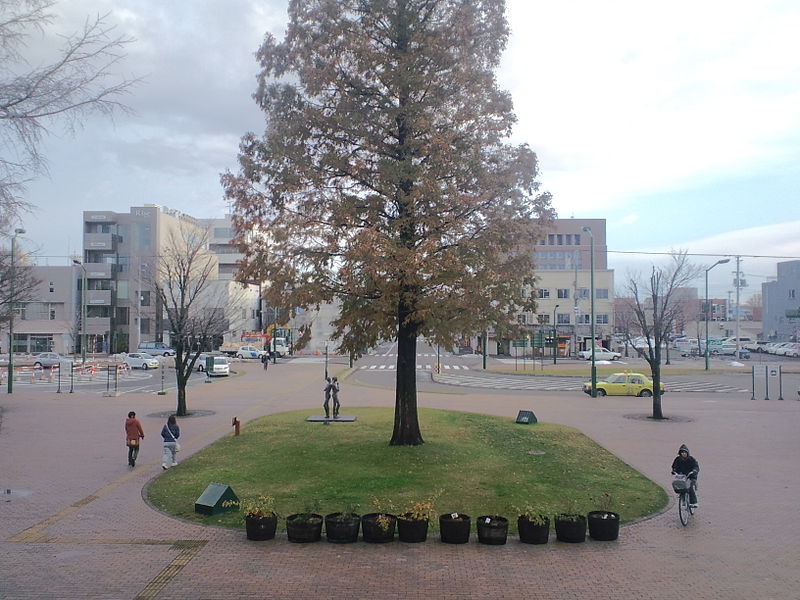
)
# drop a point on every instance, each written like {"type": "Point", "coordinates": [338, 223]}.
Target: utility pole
{"type": "Point", "coordinates": [738, 283]}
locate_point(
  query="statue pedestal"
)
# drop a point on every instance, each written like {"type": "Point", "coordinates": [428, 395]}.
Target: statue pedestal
{"type": "Point", "coordinates": [323, 418]}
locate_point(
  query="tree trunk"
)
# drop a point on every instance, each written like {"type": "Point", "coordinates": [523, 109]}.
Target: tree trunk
{"type": "Point", "coordinates": [180, 382]}
{"type": "Point", "coordinates": [406, 423]}
{"type": "Point", "coordinates": [655, 368]}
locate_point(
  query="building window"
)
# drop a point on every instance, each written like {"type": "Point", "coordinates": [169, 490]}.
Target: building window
{"type": "Point", "coordinates": [144, 298]}
{"type": "Point", "coordinates": [559, 239]}
{"type": "Point", "coordinates": [144, 325]}
{"type": "Point", "coordinates": [601, 319]}
{"type": "Point", "coordinates": [791, 293]}
{"type": "Point", "coordinates": [551, 239]}
{"type": "Point", "coordinates": [601, 293]}
{"type": "Point", "coordinates": [577, 239]}
{"type": "Point", "coordinates": [563, 318]}
{"type": "Point", "coordinates": [583, 319]}
{"type": "Point", "coordinates": [543, 319]}
{"type": "Point", "coordinates": [522, 319]}
{"type": "Point", "coordinates": [583, 293]}
{"type": "Point", "coordinates": [223, 232]}
{"type": "Point", "coordinates": [563, 293]}
{"type": "Point", "coordinates": [544, 293]}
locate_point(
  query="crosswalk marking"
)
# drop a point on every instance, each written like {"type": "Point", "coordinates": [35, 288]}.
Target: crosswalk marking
{"type": "Point", "coordinates": [421, 367]}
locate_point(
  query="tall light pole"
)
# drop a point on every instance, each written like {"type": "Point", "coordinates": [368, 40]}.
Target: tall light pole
{"type": "Point", "coordinates": [555, 333]}
{"type": "Point", "coordinates": [83, 309]}
{"type": "Point", "coordinates": [591, 295]}
{"type": "Point", "coordinates": [706, 307]}
{"type": "Point", "coordinates": [12, 277]}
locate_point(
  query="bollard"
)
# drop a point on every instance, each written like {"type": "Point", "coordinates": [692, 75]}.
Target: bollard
{"type": "Point", "coordinates": [780, 382]}
{"type": "Point", "coordinates": [235, 424]}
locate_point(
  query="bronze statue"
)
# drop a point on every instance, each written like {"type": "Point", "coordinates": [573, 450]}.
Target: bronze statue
{"type": "Point", "coordinates": [331, 389]}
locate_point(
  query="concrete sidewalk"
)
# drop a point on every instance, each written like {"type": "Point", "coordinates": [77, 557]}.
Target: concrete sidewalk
{"type": "Point", "coordinates": [76, 526]}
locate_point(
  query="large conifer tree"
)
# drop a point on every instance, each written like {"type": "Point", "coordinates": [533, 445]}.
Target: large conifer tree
{"type": "Point", "coordinates": [383, 179]}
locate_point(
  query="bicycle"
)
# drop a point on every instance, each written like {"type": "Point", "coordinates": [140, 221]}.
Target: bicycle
{"type": "Point", "coordinates": [681, 484]}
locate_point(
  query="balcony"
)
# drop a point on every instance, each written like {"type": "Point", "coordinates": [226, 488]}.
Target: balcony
{"type": "Point", "coordinates": [99, 270]}
{"type": "Point", "coordinates": [98, 325]}
{"type": "Point", "coordinates": [98, 241]}
{"type": "Point", "coordinates": [98, 298]}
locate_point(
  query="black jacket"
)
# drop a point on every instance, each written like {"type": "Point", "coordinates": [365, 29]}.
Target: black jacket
{"type": "Point", "coordinates": [684, 466]}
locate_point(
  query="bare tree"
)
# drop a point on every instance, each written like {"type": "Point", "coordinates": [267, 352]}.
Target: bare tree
{"type": "Point", "coordinates": [24, 282]}
{"type": "Point", "coordinates": [77, 82]}
{"type": "Point", "coordinates": [182, 282]}
{"type": "Point", "coordinates": [656, 306]}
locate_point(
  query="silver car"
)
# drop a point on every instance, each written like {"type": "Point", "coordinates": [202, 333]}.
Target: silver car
{"type": "Point", "coordinates": [50, 359]}
{"type": "Point", "coordinates": [141, 360]}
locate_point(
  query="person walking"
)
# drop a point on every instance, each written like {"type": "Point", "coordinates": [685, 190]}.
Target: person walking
{"type": "Point", "coordinates": [133, 433]}
{"type": "Point", "coordinates": [170, 434]}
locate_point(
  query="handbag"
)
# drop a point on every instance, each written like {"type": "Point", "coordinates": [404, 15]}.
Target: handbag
{"type": "Point", "coordinates": [174, 439]}
{"type": "Point", "coordinates": [133, 443]}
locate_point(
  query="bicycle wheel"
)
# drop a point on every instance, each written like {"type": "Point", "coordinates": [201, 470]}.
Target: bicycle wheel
{"type": "Point", "coordinates": [683, 508]}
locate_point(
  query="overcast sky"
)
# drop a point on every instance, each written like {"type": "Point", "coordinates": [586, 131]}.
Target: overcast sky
{"type": "Point", "coordinates": [678, 123]}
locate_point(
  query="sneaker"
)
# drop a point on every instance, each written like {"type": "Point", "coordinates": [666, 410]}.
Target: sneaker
{"type": "Point", "coordinates": [695, 505]}
{"type": "Point", "coordinates": [174, 465]}
{"type": "Point", "coordinates": [164, 467]}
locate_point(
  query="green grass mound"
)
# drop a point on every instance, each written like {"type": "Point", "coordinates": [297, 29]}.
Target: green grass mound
{"type": "Point", "coordinates": [483, 464]}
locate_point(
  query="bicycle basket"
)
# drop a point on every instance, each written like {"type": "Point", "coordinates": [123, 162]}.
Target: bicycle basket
{"type": "Point", "coordinates": [681, 485]}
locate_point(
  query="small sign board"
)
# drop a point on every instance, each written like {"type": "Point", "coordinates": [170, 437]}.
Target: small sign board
{"type": "Point", "coordinates": [526, 417]}
{"type": "Point", "coordinates": [211, 500]}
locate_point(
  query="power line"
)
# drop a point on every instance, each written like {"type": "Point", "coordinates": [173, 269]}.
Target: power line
{"type": "Point", "coordinates": [700, 254]}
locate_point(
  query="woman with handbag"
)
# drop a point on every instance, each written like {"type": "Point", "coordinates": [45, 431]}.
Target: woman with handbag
{"type": "Point", "coordinates": [133, 433]}
{"type": "Point", "coordinates": [170, 434]}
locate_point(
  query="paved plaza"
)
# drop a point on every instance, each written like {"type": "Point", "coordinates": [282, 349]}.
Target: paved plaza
{"type": "Point", "coordinates": [75, 524]}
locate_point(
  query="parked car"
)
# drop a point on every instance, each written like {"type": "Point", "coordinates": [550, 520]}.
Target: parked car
{"type": "Point", "coordinates": [792, 349]}
{"type": "Point", "coordinates": [599, 354]}
{"type": "Point", "coordinates": [155, 349]}
{"type": "Point", "coordinates": [730, 349]}
{"type": "Point", "coordinates": [50, 359]}
{"type": "Point", "coordinates": [624, 384]}
{"type": "Point", "coordinates": [141, 360]}
{"type": "Point", "coordinates": [278, 345]}
{"type": "Point", "coordinates": [222, 366]}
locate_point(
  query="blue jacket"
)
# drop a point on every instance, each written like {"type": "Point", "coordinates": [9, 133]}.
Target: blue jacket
{"type": "Point", "coordinates": [174, 429]}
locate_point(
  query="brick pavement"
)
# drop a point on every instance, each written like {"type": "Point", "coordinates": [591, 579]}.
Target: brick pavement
{"type": "Point", "coordinates": [76, 526]}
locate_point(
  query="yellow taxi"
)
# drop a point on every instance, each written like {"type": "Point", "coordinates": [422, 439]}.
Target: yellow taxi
{"type": "Point", "coordinates": [623, 384]}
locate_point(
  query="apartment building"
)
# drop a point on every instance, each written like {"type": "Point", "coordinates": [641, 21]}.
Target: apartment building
{"type": "Point", "coordinates": [47, 320]}
{"type": "Point", "coordinates": [781, 304]}
{"type": "Point", "coordinates": [563, 285]}
{"type": "Point", "coordinates": [121, 253]}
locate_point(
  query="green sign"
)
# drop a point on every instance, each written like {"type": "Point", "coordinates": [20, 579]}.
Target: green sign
{"type": "Point", "coordinates": [793, 314]}
{"type": "Point", "coordinates": [520, 343]}
{"type": "Point", "coordinates": [538, 339]}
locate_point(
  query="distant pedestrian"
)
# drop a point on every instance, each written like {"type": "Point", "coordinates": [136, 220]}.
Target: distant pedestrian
{"type": "Point", "coordinates": [265, 359]}
{"type": "Point", "coordinates": [133, 434]}
{"type": "Point", "coordinates": [170, 434]}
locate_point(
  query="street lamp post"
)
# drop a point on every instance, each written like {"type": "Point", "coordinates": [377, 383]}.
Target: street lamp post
{"type": "Point", "coordinates": [83, 309]}
{"type": "Point", "coordinates": [722, 261]}
{"type": "Point", "coordinates": [591, 295]}
{"type": "Point", "coordinates": [555, 333]}
{"type": "Point", "coordinates": [12, 277]}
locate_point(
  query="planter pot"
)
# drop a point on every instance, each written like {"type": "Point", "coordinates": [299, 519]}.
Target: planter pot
{"type": "Point", "coordinates": [373, 532]}
{"type": "Point", "coordinates": [342, 529]}
{"type": "Point", "coordinates": [412, 530]}
{"type": "Point", "coordinates": [530, 533]}
{"type": "Point", "coordinates": [571, 528]}
{"type": "Point", "coordinates": [302, 529]}
{"type": "Point", "coordinates": [492, 530]}
{"type": "Point", "coordinates": [603, 525]}
{"type": "Point", "coordinates": [260, 528]}
{"type": "Point", "coordinates": [454, 530]}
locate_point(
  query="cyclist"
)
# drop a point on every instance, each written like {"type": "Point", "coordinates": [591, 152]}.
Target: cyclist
{"type": "Point", "coordinates": [686, 464]}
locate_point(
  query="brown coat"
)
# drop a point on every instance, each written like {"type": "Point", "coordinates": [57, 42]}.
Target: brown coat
{"type": "Point", "coordinates": [133, 429]}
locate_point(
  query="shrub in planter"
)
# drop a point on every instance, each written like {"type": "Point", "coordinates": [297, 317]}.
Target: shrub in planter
{"type": "Point", "coordinates": [412, 523]}
{"type": "Point", "coordinates": [342, 527]}
{"type": "Point", "coordinates": [306, 526]}
{"type": "Point", "coordinates": [454, 528]}
{"type": "Point", "coordinates": [570, 527]}
{"type": "Point", "coordinates": [379, 527]}
{"type": "Point", "coordinates": [492, 530]}
{"type": "Point", "coordinates": [603, 523]}
{"type": "Point", "coordinates": [260, 518]}
{"type": "Point", "coordinates": [533, 526]}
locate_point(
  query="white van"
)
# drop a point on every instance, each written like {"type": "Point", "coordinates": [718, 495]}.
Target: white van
{"type": "Point", "coordinates": [155, 349]}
